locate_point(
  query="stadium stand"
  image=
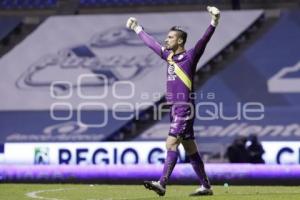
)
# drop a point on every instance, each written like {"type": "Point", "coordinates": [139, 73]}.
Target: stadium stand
{"type": "Point", "coordinates": [179, 2]}
{"type": "Point", "coordinates": [37, 70]}
{"type": "Point", "coordinates": [8, 25]}
{"type": "Point", "coordinates": [110, 6]}
{"type": "Point", "coordinates": [38, 126]}
{"type": "Point", "coordinates": [27, 4]}
{"type": "Point", "coordinates": [134, 2]}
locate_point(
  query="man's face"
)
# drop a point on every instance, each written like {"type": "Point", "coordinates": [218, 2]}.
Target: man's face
{"type": "Point", "coordinates": [171, 42]}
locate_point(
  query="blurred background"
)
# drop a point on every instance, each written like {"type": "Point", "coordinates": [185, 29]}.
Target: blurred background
{"type": "Point", "coordinates": [79, 90]}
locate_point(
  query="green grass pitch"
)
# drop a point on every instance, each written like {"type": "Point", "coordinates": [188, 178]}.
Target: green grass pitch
{"type": "Point", "coordinates": [137, 192]}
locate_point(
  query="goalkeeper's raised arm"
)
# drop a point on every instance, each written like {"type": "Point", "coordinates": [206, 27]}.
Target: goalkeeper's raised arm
{"type": "Point", "coordinates": [200, 46]}
{"type": "Point", "coordinates": [132, 24]}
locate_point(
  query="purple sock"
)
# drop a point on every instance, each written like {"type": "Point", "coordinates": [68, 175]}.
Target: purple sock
{"type": "Point", "coordinates": [198, 166]}
{"type": "Point", "coordinates": [169, 165]}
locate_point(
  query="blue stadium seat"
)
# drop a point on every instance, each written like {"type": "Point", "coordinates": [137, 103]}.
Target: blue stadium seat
{"type": "Point", "coordinates": [27, 4]}
{"type": "Point", "coordinates": [105, 3]}
{"type": "Point", "coordinates": [8, 25]}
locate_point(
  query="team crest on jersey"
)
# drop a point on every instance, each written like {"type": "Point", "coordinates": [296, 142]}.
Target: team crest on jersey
{"type": "Point", "coordinates": [171, 73]}
{"type": "Point", "coordinates": [180, 56]}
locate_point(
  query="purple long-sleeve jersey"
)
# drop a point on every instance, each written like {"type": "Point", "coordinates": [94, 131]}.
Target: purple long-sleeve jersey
{"type": "Point", "coordinates": [177, 89]}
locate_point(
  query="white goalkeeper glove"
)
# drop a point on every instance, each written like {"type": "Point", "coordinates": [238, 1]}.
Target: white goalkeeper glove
{"type": "Point", "coordinates": [215, 15]}
{"type": "Point", "coordinates": [133, 25]}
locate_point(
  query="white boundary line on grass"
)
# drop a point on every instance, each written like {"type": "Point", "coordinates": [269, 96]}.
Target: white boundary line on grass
{"type": "Point", "coordinates": [35, 194]}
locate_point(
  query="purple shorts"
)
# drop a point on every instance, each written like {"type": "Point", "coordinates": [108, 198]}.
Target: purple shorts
{"type": "Point", "coordinates": [182, 121]}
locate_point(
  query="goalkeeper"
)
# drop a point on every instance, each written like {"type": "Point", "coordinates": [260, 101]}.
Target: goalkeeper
{"type": "Point", "coordinates": [180, 73]}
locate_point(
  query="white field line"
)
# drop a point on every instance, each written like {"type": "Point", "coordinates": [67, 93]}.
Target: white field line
{"type": "Point", "coordinates": [36, 194]}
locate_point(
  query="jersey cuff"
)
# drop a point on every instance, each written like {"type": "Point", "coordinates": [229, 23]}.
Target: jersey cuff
{"type": "Point", "coordinates": [214, 23]}
{"type": "Point", "coordinates": [138, 29]}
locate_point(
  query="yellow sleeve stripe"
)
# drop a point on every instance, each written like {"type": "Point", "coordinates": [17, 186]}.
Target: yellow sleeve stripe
{"type": "Point", "coordinates": [179, 72]}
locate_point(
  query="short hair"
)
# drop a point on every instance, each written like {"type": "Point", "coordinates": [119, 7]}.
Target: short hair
{"type": "Point", "coordinates": [182, 33]}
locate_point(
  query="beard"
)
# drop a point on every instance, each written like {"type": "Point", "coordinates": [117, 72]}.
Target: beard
{"type": "Point", "coordinates": [167, 47]}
